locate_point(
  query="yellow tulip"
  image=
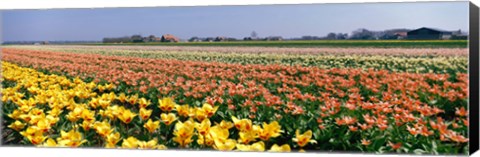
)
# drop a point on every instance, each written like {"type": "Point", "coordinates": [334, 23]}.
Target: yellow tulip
{"type": "Point", "coordinates": [151, 126]}
{"type": "Point", "coordinates": [55, 111]}
{"type": "Point", "coordinates": [71, 93]}
{"type": "Point", "coordinates": [36, 112]}
{"type": "Point", "coordinates": [17, 125]}
{"type": "Point", "coordinates": [111, 96]}
{"type": "Point", "coordinates": [34, 135]}
{"type": "Point", "coordinates": [110, 86]}
{"type": "Point", "coordinates": [270, 130]}
{"type": "Point", "coordinates": [49, 143]}
{"type": "Point", "coordinates": [74, 115]}
{"type": "Point", "coordinates": [259, 146]}
{"type": "Point", "coordinates": [166, 104]}
{"type": "Point", "coordinates": [203, 127]}
{"type": "Point", "coordinates": [168, 118]}
{"type": "Point", "coordinates": [247, 136]}
{"type": "Point", "coordinates": [143, 103]}
{"type": "Point", "coordinates": [144, 113]}
{"type": "Point", "coordinates": [15, 114]}
{"type": "Point", "coordinates": [122, 98]}
{"type": "Point", "coordinates": [37, 139]}
{"type": "Point", "coordinates": [70, 139]}
{"type": "Point", "coordinates": [133, 99]}
{"type": "Point", "coordinates": [243, 124]}
{"type": "Point", "coordinates": [103, 128]}
{"type": "Point", "coordinates": [43, 125]}
{"type": "Point", "coordinates": [25, 108]}
{"type": "Point", "coordinates": [209, 109]}
{"type": "Point", "coordinates": [52, 119]}
{"type": "Point", "coordinates": [184, 132]}
{"type": "Point", "coordinates": [127, 116]}
{"type": "Point", "coordinates": [206, 139]}
{"type": "Point", "coordinates": [104, 103]}
{"type": "Point", "coordinates": [102, 113]}
{"type": "Point", "coordinates": [130, 142]}
{"type": "Point", "coordinates": [94, 103]}
{"type": "Point", "coordinates": [86, 125]}
{"type": "Point", "coordinates": [219, 133]}
{"type": "Point", "coordinates": [283, 148]}
{"type": "Point", "coordinates": [101, 88]}
{"type": "Point", "coordinates": [112, 139]}
{"type": "Point", "coordinates": [303, 139]}
{"type": "Point", "coordinates": [34, 119]}
{"type": "Point", "coordinates": [109, 145]}
{"type": "Point", "coordinates": [152, 144]}
{"type": "Point", "coordinates": [82, 94]}
{"type": "Point", "coordinates": [183, 110]}
{"type": "Point", "coordinates": [200, 114]}
{"type": "Point", "coordinates": [112, 112]}
{"type": "Point", "coordinates": [224, 145]}
{"type": "Point", "coordinates": [88, 115]}
{"type": "Point", "coordinates": [161, 146]}
{"type": "Point", "coordinates": [226, 124]}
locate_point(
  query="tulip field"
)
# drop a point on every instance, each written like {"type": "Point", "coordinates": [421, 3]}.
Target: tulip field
{"type": "Point", "coordinates": [355, 100]}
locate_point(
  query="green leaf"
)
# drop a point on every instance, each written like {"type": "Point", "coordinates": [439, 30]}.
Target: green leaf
{"type": "Point", "coordinates": [419, 151]}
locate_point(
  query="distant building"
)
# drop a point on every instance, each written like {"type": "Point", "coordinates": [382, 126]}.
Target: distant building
{"type": "Point", "coordinates": [169, 38]}
{"type": "Point", "coordinates": [194, 39]}
{"type": "Point", "coordinates": [425, 33]}
{"type": "Point", "coordinates": [209, 39]}
{"type": "Point", "coordinates": [153, 38]}
{"type": "Point", "coordinates": [400, 35]}
{"type": "Point", "coordinates": [459, 35]}
{"type": "Point", "coordinates": [219, 38]}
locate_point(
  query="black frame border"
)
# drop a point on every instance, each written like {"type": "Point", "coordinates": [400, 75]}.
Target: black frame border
{"type": "Point", "coordinates": [473, 68]}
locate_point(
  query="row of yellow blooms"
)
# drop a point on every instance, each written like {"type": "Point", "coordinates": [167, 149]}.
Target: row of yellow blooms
{"type": "Point", "coordinates": [36, 123]}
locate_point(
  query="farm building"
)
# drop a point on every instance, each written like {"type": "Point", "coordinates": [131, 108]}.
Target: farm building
{"type": "Point", "coordinates": [194, 39]}
{"type": "Point", "coordinates": [220, 38]}
{"type": "Point", "coordinates": [428, 33]}
{"type": "Point", "coordinates": [169, 38]}
{"type": "Point", "coordinates": [209, 39]}
{"type": "Point", "coordinates": [400, 35]}
{"type": "Point", "coordinates": [152, 38]}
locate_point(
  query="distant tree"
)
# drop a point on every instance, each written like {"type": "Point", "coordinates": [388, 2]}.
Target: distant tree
{"type": "Point", "coordinates": [331, 36]}
{"type": "Point", "coordinates": [209, 39]}
{"type": "Point", "coordinates": [151, 38]}
{"type": "Point", "coordinates": [362, 34]}
{"type": "Point", "coordinates": [137, 38]}
{"type": "Point", "coordinates": [341, 36]}
{"type": "Point", "coordinates": [308, 37]}
{"type": "Point", "coordinates": [254, 35]}
{"type": "Point", "coordinates": [194, 39]}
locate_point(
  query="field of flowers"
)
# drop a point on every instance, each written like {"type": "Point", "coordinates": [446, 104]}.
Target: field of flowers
{"type": "Point", "coordinates": [439, 60]}
{"type": "Point", "coordinates": [162, 100]}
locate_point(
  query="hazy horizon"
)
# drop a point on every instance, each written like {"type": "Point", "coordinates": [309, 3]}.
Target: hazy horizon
{"type": "Point", "coordinates": [288, 21]}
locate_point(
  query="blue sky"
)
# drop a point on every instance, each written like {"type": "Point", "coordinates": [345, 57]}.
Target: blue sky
{"type": "Point", "coordinates": [231, 21]}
